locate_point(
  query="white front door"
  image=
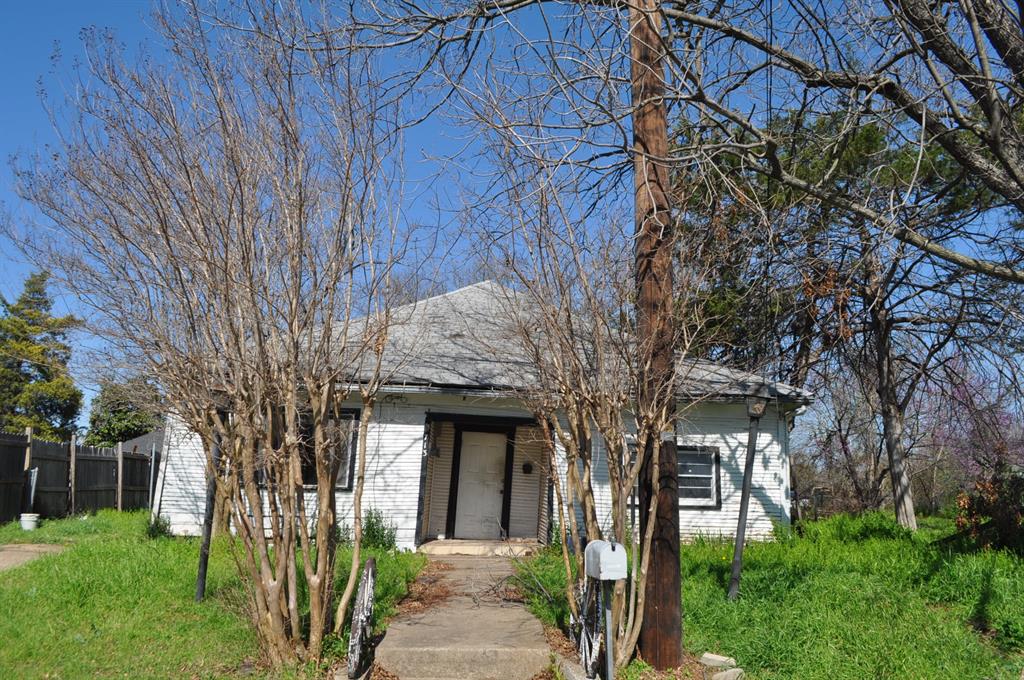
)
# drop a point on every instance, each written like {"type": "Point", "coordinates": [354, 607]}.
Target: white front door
{"type": "Point", "coordinates": [481, 477]}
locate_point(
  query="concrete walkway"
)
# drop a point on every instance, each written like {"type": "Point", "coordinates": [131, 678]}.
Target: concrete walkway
{"type": "Point", "coordinates": [14, 554]}
{"type": "Point", "coordinates": [471, 635]}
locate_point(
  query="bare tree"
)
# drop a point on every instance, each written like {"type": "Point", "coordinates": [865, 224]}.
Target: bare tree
{"type": "Point", "coordinates": [570, 307]}
{"type": "Point", "coordinates": [227, 213]}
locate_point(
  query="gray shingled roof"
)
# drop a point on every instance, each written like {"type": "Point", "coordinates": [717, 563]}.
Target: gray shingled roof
{"type": "Point", "coordinates": [464, 339]}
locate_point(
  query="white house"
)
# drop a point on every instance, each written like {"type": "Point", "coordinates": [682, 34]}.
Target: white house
{"type": "Point", "coordinates": [453, 454]}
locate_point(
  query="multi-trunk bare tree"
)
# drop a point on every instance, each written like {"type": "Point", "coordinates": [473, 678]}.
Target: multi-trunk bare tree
{"type": "Point", "coordinates": [569, 306]}
{"type": "Point", "coordinates": [226, 209]}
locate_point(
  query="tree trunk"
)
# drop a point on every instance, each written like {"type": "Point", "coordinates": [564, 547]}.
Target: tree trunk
{"type": "Point", "coordinates": [892, 418]}
{"type": "Point", "coordinates": [661, 636]}
{"type": "Point", "coordinates": [357, 516]}
{"type": "Point", "coordinates": [899, 475]}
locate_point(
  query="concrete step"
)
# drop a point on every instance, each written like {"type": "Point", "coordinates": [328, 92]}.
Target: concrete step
{"type": "Point", "coordinates": [468, 663]}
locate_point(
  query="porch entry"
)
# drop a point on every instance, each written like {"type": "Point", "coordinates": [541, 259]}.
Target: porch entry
{"type": "Point", "coordinates": [481, 485]}
{"type": "Point", "coordinates": [483, 478]}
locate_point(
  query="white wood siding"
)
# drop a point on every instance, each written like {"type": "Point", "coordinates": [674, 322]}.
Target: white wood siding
{"type": "Point", "coordinates": [395, 450]}
{"type": "Point", "coordinates": [394, 447]}
{"type": "Point", "coordinates": [180, 494]}
{"type": "Point", "coordinates": [723, 426]}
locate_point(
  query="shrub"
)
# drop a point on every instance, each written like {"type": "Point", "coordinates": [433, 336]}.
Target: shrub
{"type": "Point", "coordinates": [379, 531]}
{"type": "Point", "coordinates": [343, 534]}
{"type": "Point", "coordinates": [158, 527]}
{"type": "Point", "coordinates": [993, 513]}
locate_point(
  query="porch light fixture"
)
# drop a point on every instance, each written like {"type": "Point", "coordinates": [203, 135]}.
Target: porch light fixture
{"type": "Point", "coordinates": [756, 406]}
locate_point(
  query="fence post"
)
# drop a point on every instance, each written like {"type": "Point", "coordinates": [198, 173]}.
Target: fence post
{"type": "Point", "coordinates": [152, 472]}
{"type": "Point", "coordinates": [26, 488]}
{"type": "Point", "coordinates": [28, 448]}
{"type": "Point", "coordinates": [72, 457]}
{"type": "Point", "coordinates": [120, 475]}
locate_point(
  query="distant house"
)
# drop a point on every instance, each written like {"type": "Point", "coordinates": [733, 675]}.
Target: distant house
{"type": "Point", "coordinates": [150, 443]}
{"type": "Point", "coordinates": [452, 453]}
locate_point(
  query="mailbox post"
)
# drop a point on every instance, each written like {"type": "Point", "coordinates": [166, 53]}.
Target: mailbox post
{"type": "Point", "coordinates": [606, 562]}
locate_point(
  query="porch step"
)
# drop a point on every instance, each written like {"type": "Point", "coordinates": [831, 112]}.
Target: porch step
{"type": "Point", "coordinates": [512, 548]}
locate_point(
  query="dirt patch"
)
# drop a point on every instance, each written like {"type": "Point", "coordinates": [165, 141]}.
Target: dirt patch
{"type": "Point", "coordinates": [17, 554]}
{"type": "Point", "coordinates": [559, 642]}
{"type": "Point", "coordinates": [428, 590]}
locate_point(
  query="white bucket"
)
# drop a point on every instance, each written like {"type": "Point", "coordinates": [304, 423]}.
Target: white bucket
{"type": "Point", "coordinates": [29, 520]}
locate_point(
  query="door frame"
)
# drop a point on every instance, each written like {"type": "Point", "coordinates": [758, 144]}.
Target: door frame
{"type": "Point", "coordinates": [499, 425]}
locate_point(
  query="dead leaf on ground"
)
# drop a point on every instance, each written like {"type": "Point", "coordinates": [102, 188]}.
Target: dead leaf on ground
{"type": "Point", "coordinates": [428, 590]}
{"type": "Point", "coordinates": [559, 642]}
{"type": "Point", "coordinates": [546, 674]}
{"type": "Point", "coordinates": [378, 672]}
{"type": "Point", "coordinates": [691, 669]}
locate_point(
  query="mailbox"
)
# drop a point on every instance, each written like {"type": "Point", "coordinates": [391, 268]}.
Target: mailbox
{"type": "Point", "coordinates": [605, 561]}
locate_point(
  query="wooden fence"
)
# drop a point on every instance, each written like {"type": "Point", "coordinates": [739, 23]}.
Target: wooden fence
{"type": "Point", "coordinates": [71, 477]}
{"type": "Point", "coordinates": [12, 475]}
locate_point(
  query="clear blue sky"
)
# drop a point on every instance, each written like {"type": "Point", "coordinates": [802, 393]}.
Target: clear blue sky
{"type": "Point", "coordinates": [31, 33]}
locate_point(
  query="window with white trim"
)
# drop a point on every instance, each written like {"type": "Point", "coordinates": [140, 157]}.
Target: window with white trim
{"type": "Point", "coordinates": [698, 475]}
{"type": "Point", "coordinates": [341, 435]}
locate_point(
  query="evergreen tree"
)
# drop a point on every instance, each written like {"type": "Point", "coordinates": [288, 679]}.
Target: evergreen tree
{"type": "Point", "coordinates": [123, 411]}
{"type": "Point", "coordinates": [35, 387]}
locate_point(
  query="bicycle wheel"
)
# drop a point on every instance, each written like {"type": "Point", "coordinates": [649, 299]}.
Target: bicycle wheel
{"type": "Point", "coordinates": [362, 619]}
{"type": "Point", "coordinates": [590, 628]}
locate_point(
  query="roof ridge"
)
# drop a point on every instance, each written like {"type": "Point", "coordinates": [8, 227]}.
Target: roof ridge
{"type": "Point", "coordinates": [486, 283]}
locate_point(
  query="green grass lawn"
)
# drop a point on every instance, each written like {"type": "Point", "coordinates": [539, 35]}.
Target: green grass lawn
{"type": "Point", "coordinates": [850, 598]}
{"type": "Point", "coordinates": [115, 603]}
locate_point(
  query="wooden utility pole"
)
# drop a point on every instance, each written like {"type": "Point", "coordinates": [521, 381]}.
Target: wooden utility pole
{"type": "Point", "coordinates": [661, 635]}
